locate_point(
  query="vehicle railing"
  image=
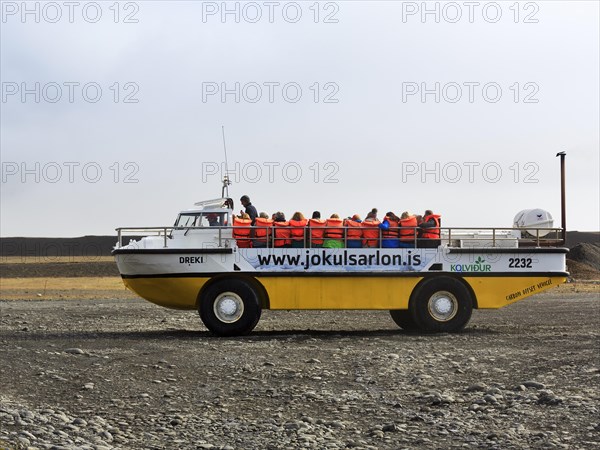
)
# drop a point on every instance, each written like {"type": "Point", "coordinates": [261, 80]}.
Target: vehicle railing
{"type": "Point", "coordinates": [167, 233]}
{"type": "Point", "coordinates": [273, 238]}
{"type": "Point", "coordinates": [448, 235]}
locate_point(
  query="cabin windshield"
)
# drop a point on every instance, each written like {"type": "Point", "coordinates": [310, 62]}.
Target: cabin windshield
{"type": "Point", "coordinates": [206, 219]}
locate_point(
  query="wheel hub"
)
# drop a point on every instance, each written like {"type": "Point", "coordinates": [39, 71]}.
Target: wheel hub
{"type": "Point", "coordinates": [228, 307]}
{"type": "Point", "coordinates": [443, 306]}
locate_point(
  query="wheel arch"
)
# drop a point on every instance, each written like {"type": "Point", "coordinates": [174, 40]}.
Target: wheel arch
{"type": "Point", "coordinates": [262, 292]}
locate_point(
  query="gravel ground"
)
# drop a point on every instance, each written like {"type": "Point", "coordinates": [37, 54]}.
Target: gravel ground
{"type": "Point", "coordinates": [127, 374]}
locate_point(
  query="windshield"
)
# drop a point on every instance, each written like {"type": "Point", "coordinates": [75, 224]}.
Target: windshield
{"type": "Point", "coordinates": [201, 220]}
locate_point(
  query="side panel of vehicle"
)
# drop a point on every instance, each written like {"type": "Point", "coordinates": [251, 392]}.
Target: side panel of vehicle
{"type": "Point", "coordinates": [376, 292]}
{"type": "Point", "coordinates": [170, 292]}
{"type": "Point", "coordinates": [496, 292]}
{"type": "Point", "coordinates": [339, 292]}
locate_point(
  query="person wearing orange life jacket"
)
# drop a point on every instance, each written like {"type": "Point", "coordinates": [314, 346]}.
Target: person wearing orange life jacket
{"type": "Point", "coordinates": [354, 231]}
{"type": "Point", "coordinates": [334, 232]}
{"type": "Point", "coordinates": [241, 230]}
{"type": "Point", "coordinates": [298, 230]}
{"type": "Point", "coordinates": [370, 230]}
{"type": "Point", "coordinates": [408, 230]}
{"type": "Point", "coordinates": [281, 231]}
{"type": "Point", "coordinates": [372, 215]}
{"type": "Point", "coordinates": [390, 232]}
{"type": "Point", "coordinates": [430, 230]}
{"type": "Point", "coordinates": [316, 229]}
{"type": "Point", "coordinates": [419, 222]}
{"type": "Point", "coordinates": [262, 231]}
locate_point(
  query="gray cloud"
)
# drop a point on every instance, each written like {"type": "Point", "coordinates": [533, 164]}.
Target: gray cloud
{"type": "Point", "coordinates": [152, 152]}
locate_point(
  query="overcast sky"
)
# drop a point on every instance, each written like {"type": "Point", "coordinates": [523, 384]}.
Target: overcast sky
{"type": "Point", "coordinates": [111, 116]}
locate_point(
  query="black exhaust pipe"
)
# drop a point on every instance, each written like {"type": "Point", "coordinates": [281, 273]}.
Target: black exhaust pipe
{"type": "Point", "coordinates": [563, 200]}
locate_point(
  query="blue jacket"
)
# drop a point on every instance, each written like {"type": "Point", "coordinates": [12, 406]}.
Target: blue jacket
{"type": "Point", "coordinates": [385, 225]}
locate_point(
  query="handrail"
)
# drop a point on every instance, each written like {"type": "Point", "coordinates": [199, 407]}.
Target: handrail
{"type": "Point", "coordinates": [163, 231]}
{"type": "Point", "coordinates": [447, 235]}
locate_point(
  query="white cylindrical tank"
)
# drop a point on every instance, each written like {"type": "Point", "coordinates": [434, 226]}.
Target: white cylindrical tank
{"type": "Point", "coordinates": [530, 219]}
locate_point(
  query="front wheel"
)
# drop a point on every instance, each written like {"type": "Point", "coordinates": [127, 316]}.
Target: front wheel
{"type": "Point", "coordinates": [403, 319]}
{"type": "Point", "coordinates": [230, 307]}
{"type": "Point", "coordinates": [441, 304]}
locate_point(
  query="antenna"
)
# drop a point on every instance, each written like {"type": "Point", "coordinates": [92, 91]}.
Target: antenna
{"type": "Point", "coordinates": [226, 182]}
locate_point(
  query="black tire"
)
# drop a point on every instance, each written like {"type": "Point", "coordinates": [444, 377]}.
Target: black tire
{"type": "Point", "coordinates": [230, 307]}
{"type": "Point", "coordinates": [403, 319]}
{"type": "Point", "coordinates": [441, 304]}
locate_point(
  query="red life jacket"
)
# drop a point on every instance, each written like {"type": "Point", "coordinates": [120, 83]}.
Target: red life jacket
{"type": "Point", "coordinates": [317, 230]}
{"type": "Point", "coordinates": [354, 230]}
{"type": "Point", "coordinates": [262, 230]}
{"type": "Point", "coordinates": [298, 228]}
{"type": "Point", "coordinates": [282, 233]}
{"type": "Point", "coordinates": [406, 232]}
{"type": "Point", "coordinates": [333, 229]}
{"type": "Point", "coordinates": [371, 233]}
{"type": "Point", "coordinates": [392, 231]}
{"type": "Point", "coordinates": [241, 232]}
{"type": "Point", "coordinates": [431, 233]}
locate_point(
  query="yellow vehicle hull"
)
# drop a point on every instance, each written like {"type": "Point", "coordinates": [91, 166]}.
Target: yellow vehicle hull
{"type": "Point", "coordinates": [342, 292]}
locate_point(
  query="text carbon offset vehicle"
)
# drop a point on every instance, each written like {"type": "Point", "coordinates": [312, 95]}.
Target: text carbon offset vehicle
{"type": "Point", "coordinates": [198, 264]}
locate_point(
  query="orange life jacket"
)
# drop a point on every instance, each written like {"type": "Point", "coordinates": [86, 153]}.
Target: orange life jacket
{"type": "Point", "coordinates": [317, 230]}
{"type": "Point", "coordinates": [333, 229]}
{"type": "Point", "coordinates": [298, 227]}
{"type": "Point", "coordinates": [262, 230]}
{"type": "Point", "coordinates": [354, 230]}
{"type": "Point", "coordinates": [371, 233]}
{"type": "Point", "coordinates": [282, 233]}
{"type": "Point", "coordinates": [406, 232]}
{"type": "Point", "coordinates": [241, 232]}
{"type": "Point", "coordinates": [392, 231]}
{"type": "Point", "coordinates": [431, 233]}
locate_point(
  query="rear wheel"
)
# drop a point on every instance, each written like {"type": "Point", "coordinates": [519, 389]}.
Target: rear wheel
{"type": "Point", "coordinates": [230, 307]}
{"type": "Point", "coordinates": [441, 304]}
{"type": "Point", "coordinates": [404, 319]}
